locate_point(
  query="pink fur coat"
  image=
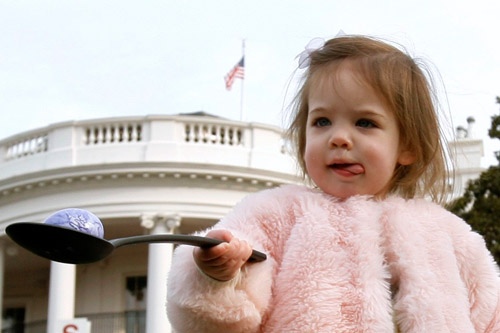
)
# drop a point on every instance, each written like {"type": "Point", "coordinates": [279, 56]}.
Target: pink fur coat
{"type": "Point", "coordinates": [333, 265]}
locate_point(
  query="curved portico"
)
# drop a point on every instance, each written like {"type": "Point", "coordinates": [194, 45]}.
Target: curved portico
{"type": "Point", "coordinates": [136, 174]}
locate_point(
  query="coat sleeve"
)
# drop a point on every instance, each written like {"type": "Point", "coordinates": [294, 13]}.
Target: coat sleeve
{"type": "Point", "coordinates": [480, 274]}
{"type": "Point", "coordinates": [197, 303]}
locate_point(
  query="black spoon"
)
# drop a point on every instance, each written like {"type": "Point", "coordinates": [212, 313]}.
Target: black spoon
{"type": "Point", "coordinates": [70, 246]}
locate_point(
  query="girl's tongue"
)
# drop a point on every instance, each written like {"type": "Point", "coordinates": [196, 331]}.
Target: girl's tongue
{"type": "Point", "coordinates": [354, 168]}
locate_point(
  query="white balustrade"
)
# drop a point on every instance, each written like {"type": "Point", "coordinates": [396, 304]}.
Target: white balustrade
{"type": "Point", "coordinates": [212, 133]}
{"type": "Point", "coordinates": [26, 146]}
{"type": "Point", "coordinates": [175, 139]}
{"type": "Point", "coordinates": [112, 133]}
{"type": "Point", "coordinates": [195, 132]}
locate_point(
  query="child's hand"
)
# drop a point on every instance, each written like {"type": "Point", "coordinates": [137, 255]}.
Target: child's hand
{"type": "Point", "coordinates": [222, 262]}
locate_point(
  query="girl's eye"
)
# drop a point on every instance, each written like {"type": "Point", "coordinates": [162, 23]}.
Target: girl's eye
{"type": "Point", "coordinates": [365, 123]}
{"type": "Point", "coordinates": [321, 122]}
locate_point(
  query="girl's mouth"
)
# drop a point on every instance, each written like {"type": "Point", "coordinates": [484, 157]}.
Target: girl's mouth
{"type": "Point", "coordinates": [348, 169]}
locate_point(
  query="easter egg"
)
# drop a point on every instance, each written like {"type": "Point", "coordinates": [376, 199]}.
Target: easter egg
{"type": "Point", "coordinates": [77, 219]}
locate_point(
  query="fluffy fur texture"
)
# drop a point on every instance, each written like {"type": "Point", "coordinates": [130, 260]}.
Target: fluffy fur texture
{"type": "Point", "coordinates": [342, 266]}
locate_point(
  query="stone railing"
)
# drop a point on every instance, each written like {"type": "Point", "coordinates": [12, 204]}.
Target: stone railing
{"type": "Point", "coordinates": [27, 145]}
{"type": "Point", "coordinates": [178, 139]}
{"type": "Point", "coordinates": [112, 133]}
{"type": "Point", "coordinates": [214, 134]}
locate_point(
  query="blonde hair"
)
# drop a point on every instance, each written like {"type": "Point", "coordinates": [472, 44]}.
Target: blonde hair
{"type": "Point", "coordinates": [402, 84]}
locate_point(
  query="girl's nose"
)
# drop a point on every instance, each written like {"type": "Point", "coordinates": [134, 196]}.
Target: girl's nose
{"type": "Point", "coordinates": [340, 138]}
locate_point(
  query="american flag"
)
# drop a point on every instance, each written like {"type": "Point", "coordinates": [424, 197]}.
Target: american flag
{"type": "Point", "coordinates": [237, 72]}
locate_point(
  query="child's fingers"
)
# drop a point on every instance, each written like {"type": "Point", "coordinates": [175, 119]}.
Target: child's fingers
{"type": "Point", "coordinates": [223, 235]}
{"type": "Point", "coordinates": [223, 261]}
{"type": "Point", "coordinates": [239, 250]}
{"type": "Point", "coordinates": [212, 253]}
{"type": "Point", "coordinates": [222, 253]}
{"type": "Point", "coordinates": [227, 266]}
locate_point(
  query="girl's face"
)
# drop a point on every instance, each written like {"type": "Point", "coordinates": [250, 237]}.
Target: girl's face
{"type": "Point", "coordinates": [352, 138]}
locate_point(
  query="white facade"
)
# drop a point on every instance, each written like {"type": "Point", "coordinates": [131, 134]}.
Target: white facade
{"type": "Point", "coordinates": [466, 151]}
{"type": "Point", "coordinates": [153, 174]}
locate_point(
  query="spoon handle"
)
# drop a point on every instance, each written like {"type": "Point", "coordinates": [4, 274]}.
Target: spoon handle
{"type": "Point", "coordinates": [179, 239]}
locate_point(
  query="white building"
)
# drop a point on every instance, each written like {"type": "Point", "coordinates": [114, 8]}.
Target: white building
{"type": "Point", "coordinates": [140, 175]}
{"type": "Point", "coordinates": [466, 151]}
{"type": "Point", "coordinates": [153, 174]}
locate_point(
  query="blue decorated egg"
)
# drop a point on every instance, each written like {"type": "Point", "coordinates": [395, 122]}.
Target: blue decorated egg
{"type": "Point", "coordinates": [78, 219]}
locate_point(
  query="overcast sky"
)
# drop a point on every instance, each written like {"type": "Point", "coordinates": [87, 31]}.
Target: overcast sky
{"type": "Point", "coordinates": [82, 59]}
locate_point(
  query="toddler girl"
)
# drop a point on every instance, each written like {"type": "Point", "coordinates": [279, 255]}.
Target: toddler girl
{"type": "Point", "coordinates": [359, 251]}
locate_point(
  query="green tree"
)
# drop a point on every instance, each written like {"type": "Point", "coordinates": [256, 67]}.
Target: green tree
{"type": "Point", "coordinates": [480, 203]}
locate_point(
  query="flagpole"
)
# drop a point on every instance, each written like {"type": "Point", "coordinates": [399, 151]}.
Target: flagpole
{"type": "Point", "coordinates": [242, 95]}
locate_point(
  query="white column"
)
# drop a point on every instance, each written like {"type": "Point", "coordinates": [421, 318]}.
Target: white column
{"type": "Point", "coordinates": [61, 294]}
{"type": "Point", "coordinates": [159, 262]}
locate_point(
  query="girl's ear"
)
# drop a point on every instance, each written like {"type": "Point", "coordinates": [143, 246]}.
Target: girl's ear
{"type": "Point", "coordinates": [406, 157]}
